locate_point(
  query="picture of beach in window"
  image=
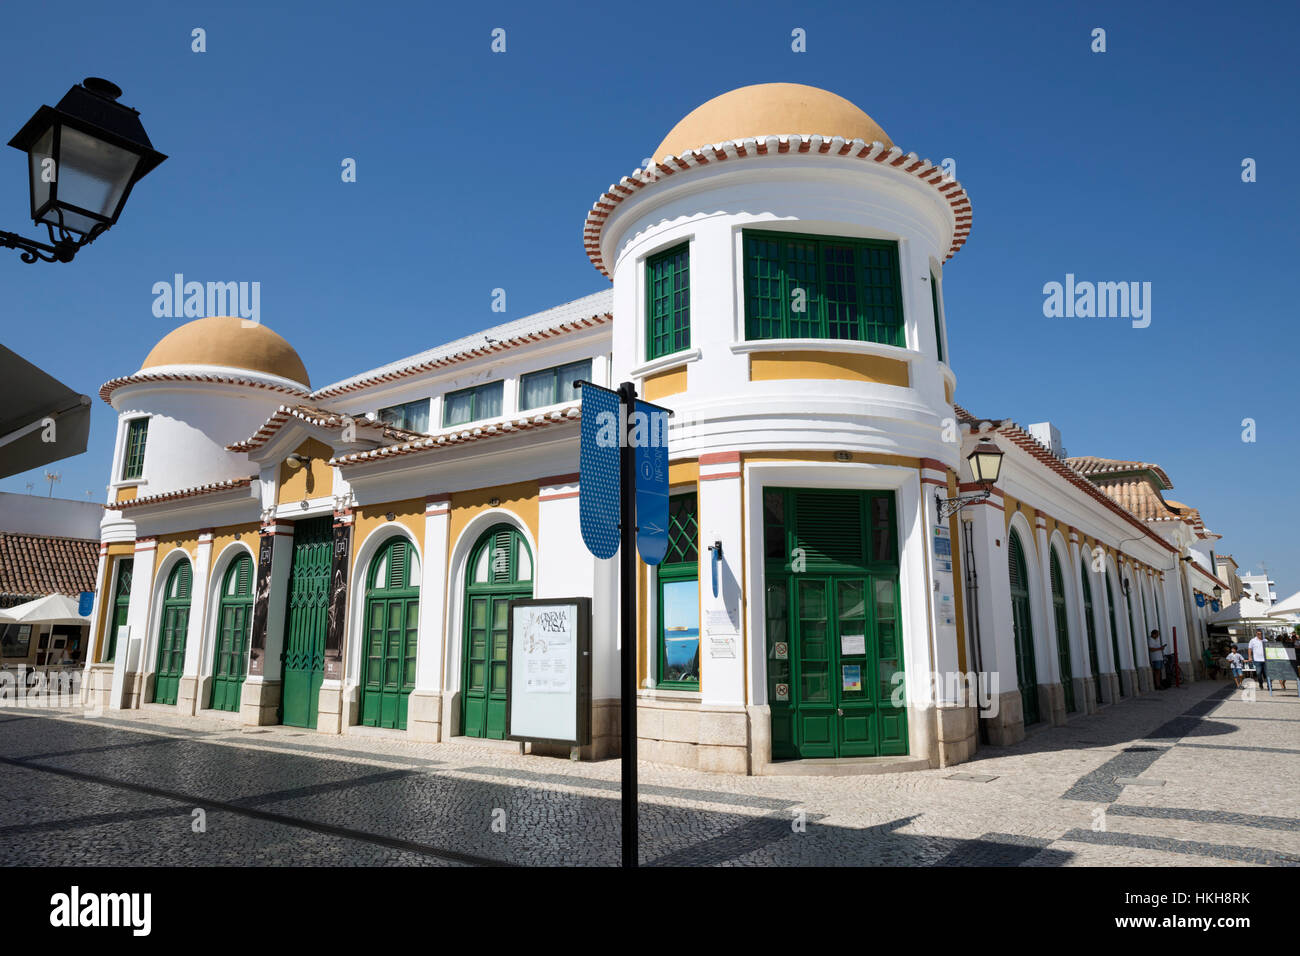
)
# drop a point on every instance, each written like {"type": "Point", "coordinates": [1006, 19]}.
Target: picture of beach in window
{"type": "Point", "coordinates": [681, 630]}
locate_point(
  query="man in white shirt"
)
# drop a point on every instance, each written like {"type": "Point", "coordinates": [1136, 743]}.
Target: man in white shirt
{"type": "Point", "coordinates": [1257, 658]}
{"type": "Point", "coordinates": [1156, 650]}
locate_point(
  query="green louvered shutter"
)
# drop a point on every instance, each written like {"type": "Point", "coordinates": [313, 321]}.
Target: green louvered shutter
{"type": "Point", "coordinates": [1062, 633]}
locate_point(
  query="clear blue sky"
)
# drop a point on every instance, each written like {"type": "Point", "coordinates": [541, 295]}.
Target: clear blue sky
{"type": "Point", "coordinates": [475, 171]}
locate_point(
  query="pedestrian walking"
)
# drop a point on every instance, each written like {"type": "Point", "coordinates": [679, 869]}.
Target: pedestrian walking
{"type": "Point", "coordinates": [1235, 661]}
{"type": "Point", "coordinates": [1156, 651]}
{"type": "Point", "coordinates": [1257, 658]}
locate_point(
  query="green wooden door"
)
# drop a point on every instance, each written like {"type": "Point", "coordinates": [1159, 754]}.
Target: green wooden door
{"type": "Point", "coordinates": [500, 570]}
{"type": "Point", "coordinates": [1062, 632]}
{"type": "Point", "coordinates": [121, 605]}
{"type": "Point", "coordinates": [172, 628]}
{"type": "Point", "coordinates": [392, 625]}
{"type": "Point", "coordinates": [306, 617]}
{"type": "Point", "coordinates": [1091, 624]}
{"type": "Point", "coordinates": [1023, 629]}
{"type": "Point", "coordinates": [1114, 635]}
{"type": "Point", "coordinates": [234, 619]}
{"type": "Point", "coordinates": [833, 638]}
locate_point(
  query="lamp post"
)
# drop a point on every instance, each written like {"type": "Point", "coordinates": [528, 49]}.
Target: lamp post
{"type": "Point", "coordinates": [83, 158]}
{"type": "Point", "coordinates": [985, 465]}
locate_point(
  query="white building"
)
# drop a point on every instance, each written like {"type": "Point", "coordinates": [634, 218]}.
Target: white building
{"type": "Point", "coordinates": [342, 557]}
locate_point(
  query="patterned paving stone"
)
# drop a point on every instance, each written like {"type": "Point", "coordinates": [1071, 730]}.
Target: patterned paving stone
{"type": "Point", "coordinates": [124, 788]}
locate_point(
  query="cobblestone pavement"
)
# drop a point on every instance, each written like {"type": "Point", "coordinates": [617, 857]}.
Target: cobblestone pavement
{"type": "Point", "coordinates": [1191, 776]}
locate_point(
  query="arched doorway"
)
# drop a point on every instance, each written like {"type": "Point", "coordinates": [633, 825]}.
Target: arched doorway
{"type": "Point", "coordinates": [500, 570]}
{"type": "Point", "coordinates": [234, 621]}
{"type": "Point", "coordinates": [1114, 635]}
{"type": "Point", "coordinates": [172, 627]}
{"type": "Point", "coordinates": [1090, 623]}
{"type": "Point", "coordinates": [392, 631]}
{"type": "Point", "coordinates": [1062, 631]}
{"type": "Point", "coordinates": [1022, 622]}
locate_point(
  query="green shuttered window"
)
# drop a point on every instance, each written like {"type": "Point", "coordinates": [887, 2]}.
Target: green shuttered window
{"type": "Point", "coordinates": [668, 302]}
{"type": "Point", "coordinates": [137, 431]}
{"type": "Point", "coordinates": [814, 287]}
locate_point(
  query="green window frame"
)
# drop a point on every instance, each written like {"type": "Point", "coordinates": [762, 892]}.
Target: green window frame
{"type": "Point", "coordinates": [137, 433]}
{"type": "Point", "coordinates": [550, 386]}
{"type": "Point", "coordinates": [677, 590]}
{"type": "Point", "coordinates": [668, 302]}
{"type": "Point", "coordinates": [411, 416]}
{"type": "Point", "coordinates": [852, 288]}
{"type": "Point", "coordinates": [938, 323]}
{"type": "Point", "coordinates": [472, 404]}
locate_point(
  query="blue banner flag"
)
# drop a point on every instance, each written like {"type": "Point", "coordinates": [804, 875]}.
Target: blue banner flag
{"type": "Point", "coordinates": [85, 603]}
{"type": "Point", "coordinates": [649, 436]}
{"type": "Point", "coordinates": [598, 481]}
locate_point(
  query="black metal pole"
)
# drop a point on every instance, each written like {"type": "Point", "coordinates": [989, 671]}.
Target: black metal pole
{"type": "Point", "coordinates": [627, 609]}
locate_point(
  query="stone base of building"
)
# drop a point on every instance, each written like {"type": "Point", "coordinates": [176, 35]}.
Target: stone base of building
{"type": "Point", "coordinates": [1144, 680]}
{"type": "Point", "coordinates": [956, 735]}
{"type": "Point", "coordinates": [1007, 726]}
{"type": "Point", "coordinates": [686, 733]}
{"type": "Point", "coordinates": [329, 708]}
{"type": "Point", "coordinates": [134, 690]}
{"type": "Point", "coordinates": [424, 716]}
{"type": "Point", "coordinates": [1128, 682]}
{"type": "Point", "coordinates": [1085, 695]}
{"type": "Point", "coordinates": [259, 703]}
{"type": "Point", "coordinates": [187, 696]}
{"type": "Point", "coordinates": [1051, 703]}
{"type": "Point", "coordinates": [97, 687]}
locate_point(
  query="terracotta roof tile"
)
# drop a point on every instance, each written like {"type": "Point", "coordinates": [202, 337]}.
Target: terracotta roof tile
{"type": "Point", "coordinates": [210, 488]}
{"type": "Point", "coordinates": [1064, 469]}
{"type": "Point", "coordinates": [1091, 465]}
{"type": "Point", "coordinates": [34, 565]}
{"type": "Point", "coordinates": [325, 418]}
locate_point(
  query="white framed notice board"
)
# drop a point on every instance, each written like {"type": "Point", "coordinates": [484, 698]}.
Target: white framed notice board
{"type": "Point", "coordinates": [548, 658]}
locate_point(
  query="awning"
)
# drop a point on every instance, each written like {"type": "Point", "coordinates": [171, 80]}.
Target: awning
{"type": "Point", "coordinates": [1245, 611]}
{"type": "Point", "coordinates": [51, 609]}
{"type": "Point", "coordinates": [30, 398]}
{"type": "Point", "coordinates": [1287, 607]}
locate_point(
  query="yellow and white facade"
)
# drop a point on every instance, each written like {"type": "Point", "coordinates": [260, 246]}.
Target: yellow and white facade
{"type": "Point", "coordinates": [777, 281]}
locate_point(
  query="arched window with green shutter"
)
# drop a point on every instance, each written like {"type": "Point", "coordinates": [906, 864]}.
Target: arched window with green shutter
{"type": "Point", "coordinates": [121, 605]}
{"type": "Point", "coordinates": [1091, 624]}
{"type": "Point", "coordinates": [392, 623]}
{"type": "Point", "coordinates": [500, 570]}
{"type": "Point", "coordinates": [172, 628]}
{"type": "Point", "coordinates": [234, 622]}
{"type": "Point", "coordinates": [1114, 635]}
{"type": "Point", "coordinates": [1062, 632]}
{"type": "Point", "coordinates": [1023, 628]}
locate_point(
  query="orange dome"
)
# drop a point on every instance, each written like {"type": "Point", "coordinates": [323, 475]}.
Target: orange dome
{"type": "Point", "coordinates": [770, 109]}
{"type": "Point", "coordinates": [230, 342]}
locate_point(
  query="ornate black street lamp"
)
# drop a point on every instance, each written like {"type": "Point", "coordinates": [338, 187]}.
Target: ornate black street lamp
{"type": "Point", "coordinates": [83, 158]}
{"type": "Point", "coordinates": [985, 466]}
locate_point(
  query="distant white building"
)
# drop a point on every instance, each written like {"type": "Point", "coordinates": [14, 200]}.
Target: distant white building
{"type": "Point", "coordinates": [1259, 586]}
